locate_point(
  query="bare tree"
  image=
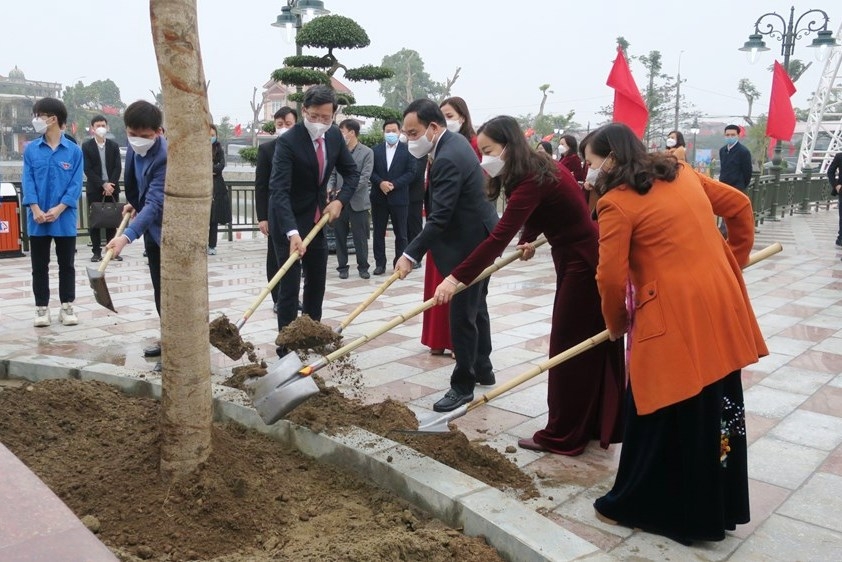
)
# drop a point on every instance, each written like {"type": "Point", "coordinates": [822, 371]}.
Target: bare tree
{"type": "Point", "coordinates": [448, 84]}
{"type": "Point", "coordinates": [545, 90]}
{"type": "Point", "coordinates": [186, 402]}
{"type": "Point", "coordinates": [746, 88]}
{"type": "Point", "coordinates": [255, 109]}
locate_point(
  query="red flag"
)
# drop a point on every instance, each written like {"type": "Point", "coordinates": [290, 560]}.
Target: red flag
{"type": "Point", "coordinates": [781, 123]}
{"type": "Point", "coordinates": [629, 107]}
{"type": "Point", "coordinates": [549, 137]}
{"type": "Point", "coordinates": [238, 130]}
{"type": "Point", "coordinates": [529, 132]}
{"type": "Point", "coordinates": [742, 132]}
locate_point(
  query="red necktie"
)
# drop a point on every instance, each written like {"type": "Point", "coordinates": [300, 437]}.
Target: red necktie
{"type": "Point", "coordinates": [320, 158]}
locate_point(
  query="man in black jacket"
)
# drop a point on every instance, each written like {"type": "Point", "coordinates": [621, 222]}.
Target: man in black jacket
{"type": "Point", "coordinates": [285, 118]}
{"type": "Point", "coordinates": [834, 176]}
{"type": "Point", "coordinates": [102, 170]}
{"type": "Point", "coordinates": [735, 164]}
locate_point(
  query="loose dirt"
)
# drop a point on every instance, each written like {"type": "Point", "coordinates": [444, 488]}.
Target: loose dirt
{"type": "Point", "coordinates": [252, 501]}
{"type": "Point", "coordinates": [304, 333]}
{"type": "Point", "coordinates": [225, 337]}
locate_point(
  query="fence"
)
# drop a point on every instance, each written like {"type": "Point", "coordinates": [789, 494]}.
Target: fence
{"type": "Point", "coordinates": [772, 198]}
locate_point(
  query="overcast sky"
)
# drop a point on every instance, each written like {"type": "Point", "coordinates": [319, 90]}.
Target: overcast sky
{"type": "Point", "coordinates": [505, 54]}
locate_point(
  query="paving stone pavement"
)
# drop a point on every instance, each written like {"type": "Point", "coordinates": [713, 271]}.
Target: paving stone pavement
{"type": "Point", "coordinates": [793, 397]}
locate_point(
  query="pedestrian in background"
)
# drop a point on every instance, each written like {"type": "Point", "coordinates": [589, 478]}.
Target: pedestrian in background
{"type": "Point", "coordinates": [221, 204]}
{"type": "Point", "coordinates": [102, 170]}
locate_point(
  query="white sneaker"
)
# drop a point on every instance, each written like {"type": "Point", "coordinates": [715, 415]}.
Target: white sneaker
{"type": "Point", "coordinates": [42, 317]}
{"type": "Point", "coordinates": [66, 316]}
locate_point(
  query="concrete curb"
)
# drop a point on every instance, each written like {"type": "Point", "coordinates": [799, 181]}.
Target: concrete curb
{"type": "Point", "coordinates": [517, 532]}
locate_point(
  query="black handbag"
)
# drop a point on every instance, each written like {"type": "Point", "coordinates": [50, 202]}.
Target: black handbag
{"type": "Point", "coordinates": [105, 214]}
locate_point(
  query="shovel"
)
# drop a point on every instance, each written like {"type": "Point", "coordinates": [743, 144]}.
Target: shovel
{"type": "Point", "coordinates": [293, 257]}
{"type": "Point", "coordinates": [96, 276]}
{"type": "Point", "coordinates": [363, 305]}
{"type": "Point", "coordinates": [287, 384]}
{"type": "Point", "coordinates": [437, 423]}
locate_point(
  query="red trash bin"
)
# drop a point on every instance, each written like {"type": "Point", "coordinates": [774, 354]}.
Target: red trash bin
{"type": "Point", "coordinates": [9, 222]}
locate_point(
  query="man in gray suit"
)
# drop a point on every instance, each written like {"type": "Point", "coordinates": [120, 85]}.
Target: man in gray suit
{"type": "Point", "coordinates": [355, 214]}
{"type": "Point", "coordinates": [458, 219]}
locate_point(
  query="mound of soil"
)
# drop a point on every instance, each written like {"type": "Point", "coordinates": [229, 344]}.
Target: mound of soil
{"type": "Point", "coordinates": [304, 333]}
{"type": "Point", "coordinates": [252, 501]}
{"type": "Point", "coordinates": [225, 337]}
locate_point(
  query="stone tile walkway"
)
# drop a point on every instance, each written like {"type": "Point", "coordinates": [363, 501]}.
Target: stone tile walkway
{"type": "Point", "coordinates": [793, 397]}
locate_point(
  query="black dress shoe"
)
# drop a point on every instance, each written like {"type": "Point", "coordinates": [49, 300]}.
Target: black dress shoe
{"type": "Point", "coordinates": [451, 401]}
{"type": "Point", "coordinates": [487, 380]}
{"type": "Point", "coordinates": [118, 258]}
{"type": "Point", "coordinates": [96, 258]}
{"type": "Point", "coordinates": [380, 270]}
{"type": "Point", "coordinates": [343, 275]}
{"type": "Point", "coordinates": [153, 350]}
{"type": "Point", "coordinates": [157, 367]}
{"type": "Point", "coordinates": [365, 274]}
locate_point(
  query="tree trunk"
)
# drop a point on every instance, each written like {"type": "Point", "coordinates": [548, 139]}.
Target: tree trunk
{"type": "Point", "coordinates": [186, 402]}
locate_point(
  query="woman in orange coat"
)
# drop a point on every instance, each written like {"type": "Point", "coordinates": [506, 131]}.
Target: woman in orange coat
{"type": "Point", "coordinates": [683, 471]}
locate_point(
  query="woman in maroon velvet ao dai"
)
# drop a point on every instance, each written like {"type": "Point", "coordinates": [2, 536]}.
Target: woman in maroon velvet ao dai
{"type": "Point", "coordinates": [585, 393]}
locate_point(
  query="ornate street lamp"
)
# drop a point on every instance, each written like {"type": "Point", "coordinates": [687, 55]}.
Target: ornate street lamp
{"type": "Point", "coordinates": [814, 21]}
{"type": "Point", "coordinates": [695, 130]}
{"type": "Point", "coordinates": [295, 14]}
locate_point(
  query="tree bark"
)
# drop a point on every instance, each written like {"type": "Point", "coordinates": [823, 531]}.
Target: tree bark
{"type": "Point", "coordinates": [186, 401]}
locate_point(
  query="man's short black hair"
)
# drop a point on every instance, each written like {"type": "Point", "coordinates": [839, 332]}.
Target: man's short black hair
{"type": "Point", "coordinates": [97, 118]}
{"type": "Point", "coordinates": [284, 111]}
{"type": "Point", "coordinates": [427, 112]}
{"type": "Point", "coordinates": [143, 115]}
{"type": "Point", "coordinates": [733, 127]}
{"type": "Point", "coordinates": [351, 125]}
{"type": "Point", "coordinates": [391, 122]}
{"type": "Point", "coordinates": [51, 106]}
{"type": "Point", "coordinates": [320, 95]}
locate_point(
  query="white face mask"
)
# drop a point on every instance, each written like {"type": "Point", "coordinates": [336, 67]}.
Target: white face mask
{"type": "Point", "coordinates": [453, 126]}
{"type": "Point", "coordinates": [562, 149]}
{"type": "Point", "coordinates": [402, 138]}
{"type": "Point", "coordinates": [100, 132]}
{"type": "Point", "coordinates": [421, 146]}
{"type": "Point", "coordinates": [281, 131]}
{"type": "Point", "coordinates": [591, 176]}
{"type": "Point", "coordinates": [670, 143]}
{"type": "Point", "coordinates": [492, 165]}
{"type": "Point", "coordinates": [141, 145]}
{"type": "Point", "coordinates": [39, 124]}
{"type": "Point", "coordinates": [316, 130]}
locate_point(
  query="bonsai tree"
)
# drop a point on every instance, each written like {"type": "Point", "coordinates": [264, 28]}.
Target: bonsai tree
{"type": "Point", "coordinates": [333, 32]}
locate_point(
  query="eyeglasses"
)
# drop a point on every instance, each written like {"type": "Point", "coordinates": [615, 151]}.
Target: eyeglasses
{"type": "Point", "coordinates": [44, 115]}
{"type": "Point", "coordinates": [325, 119]}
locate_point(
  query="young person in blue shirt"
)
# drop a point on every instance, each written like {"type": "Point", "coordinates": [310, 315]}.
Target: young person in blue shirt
{"type": "Point", "coordinates": [52, 185]}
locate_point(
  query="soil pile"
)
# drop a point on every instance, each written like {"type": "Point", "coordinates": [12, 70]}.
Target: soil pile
{"type": "Point", "coordinates": [252, 501]}
{"type": "Point", "coordinates": [304, 333]}
{"type": "Point", "coordinates": [225, 337]}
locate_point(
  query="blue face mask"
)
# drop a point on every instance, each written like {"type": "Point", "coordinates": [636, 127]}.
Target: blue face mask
{"type": "Point", "coordinates": [730, 141]}
{"type": "Point", "coordinates": [213, 140]}
{"type": "Point", "coordinates": [391, 138]}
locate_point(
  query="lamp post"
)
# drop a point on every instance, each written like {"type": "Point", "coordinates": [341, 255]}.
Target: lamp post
{"type": "Point", "coordinates": [695, 130]}
{"type": "Point", "coordinates": [816, 22]}
{"type": "Point", "coordinates": [292, 17]}
{"type": "Point", "coordinates": [678, 92]}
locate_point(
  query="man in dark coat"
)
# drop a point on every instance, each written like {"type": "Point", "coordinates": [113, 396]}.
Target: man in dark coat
{"type": "Point", "coordinates": [102, 171]}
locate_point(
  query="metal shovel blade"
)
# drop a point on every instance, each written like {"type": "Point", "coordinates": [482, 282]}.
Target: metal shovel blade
{"type": "Point", "coordinates": [435, 422]}
{"type": "Point", "coordinates": [285, 398]}
{"type": "Point", "coordinates": [96, 279]}
{"type": "Point", "coordinates": [279, 372]}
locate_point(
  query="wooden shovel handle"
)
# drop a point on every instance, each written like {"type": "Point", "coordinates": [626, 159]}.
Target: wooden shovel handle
{"type": "Point", "coordinates": [589, 343]}
{"type": "Point", "coordinates": [429, 303]}
{"type": "Point", "coordinates": [363, 305]}
{"type": "Point", "coordinates": [110, 253]}
{"type": "Point", "coordinates": [293, 257]}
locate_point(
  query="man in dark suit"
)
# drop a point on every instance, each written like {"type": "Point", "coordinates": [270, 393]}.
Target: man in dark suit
{"type": "Point", "coordinates": [415, 212]}
{"type": "Point", "coordinates": [458, 219]}
{"type": "Point", "coordinates": [834, 176]}
{"type": "Point", "coordinates": [304, 158]}
{"type": "Point", "coordinates": [394, 168]}
{"type": "Point", "coordinates": [285, 118]}
{"type": "Point", "coordinates": [734, 164]}
{"type": "Point", "coordinates": [102, 170]}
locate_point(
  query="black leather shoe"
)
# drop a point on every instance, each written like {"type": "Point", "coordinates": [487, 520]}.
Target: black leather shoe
{"type": "Point", "coordinates": [153, 350]}
{"type": "Point", "coordinates": [343, 275]}
{"type": "Point", "coordinates": [157, 367]}
{"type": "Point", "coordinates": [96, 258]}
{"type": "Point", "coordinates": [379, 270]}
{"type": "Point", "coordinates": [365, 274]}
{"type": "Point", "coordinates": [487, 380]}
{"type": "Point", "coordinates": [118, 258]}
{"type": "Point", "coordinates": [451, 401]}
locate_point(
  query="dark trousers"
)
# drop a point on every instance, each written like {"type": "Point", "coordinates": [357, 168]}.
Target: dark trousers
{"type": "Point", "coordinates": [272, 266]}
{"type": "Point", "coordinates": [39, 255]}
{"type": "Point", "coordinates": [839, 234]}
{"type": "Point", "coordinates": [414, 219]}
{"type": "Point", "coordinates": [314, 264]}
{"type": "Point", "coordinates": [96, 238]}
{"type": "Point", "coordinates": [470, 331]}
{"type": "Point", "coordinates": [213, 233]}
{"type": "Point", "coordinates": [153, 255]}
{"type": "Point", "coordinates": [357, 223]}
{"type": "Point", "coordinates": [380, 214]}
